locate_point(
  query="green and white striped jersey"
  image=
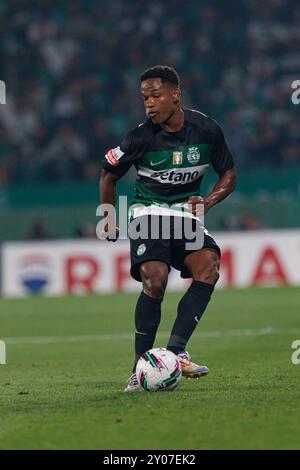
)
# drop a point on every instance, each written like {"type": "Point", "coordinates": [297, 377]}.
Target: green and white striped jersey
{"type": "Point", "coordinates": [170, 165]}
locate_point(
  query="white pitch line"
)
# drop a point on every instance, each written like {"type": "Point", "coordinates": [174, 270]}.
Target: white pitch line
{"type": "Point", "coordinates": [268, 330]}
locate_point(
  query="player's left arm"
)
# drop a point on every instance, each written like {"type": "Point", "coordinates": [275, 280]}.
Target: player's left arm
{"type": "Point", "coordinates": [223, 165]}
{"type": "Point", "coordinates": [220, 191]}
{"type": "Point", "coordinates": [224, 186]}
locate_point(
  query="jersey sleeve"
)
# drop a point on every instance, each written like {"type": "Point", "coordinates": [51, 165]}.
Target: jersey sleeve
{"type": "Point", "coordinates": [118, 160]}
{"type": "Point", "coordinates": [222, 159]}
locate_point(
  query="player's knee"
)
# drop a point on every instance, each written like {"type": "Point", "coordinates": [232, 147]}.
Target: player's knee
{"type": "Point", "coordinates": [154, 282]}
{"type": "Point", "coordinates": [210, 273]}
{"type": "Point", "coordinates": [155, 287]}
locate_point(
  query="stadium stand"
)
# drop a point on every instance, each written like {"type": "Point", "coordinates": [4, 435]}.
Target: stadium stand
{"type": "Point", "coordinates": [72, 71]}
{"type": "Point", "coordinates": [72, 74]}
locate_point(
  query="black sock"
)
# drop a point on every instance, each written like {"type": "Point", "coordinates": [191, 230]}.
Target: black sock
{"type": "Point", "coordinates": [147, 319]}
{"type": "Point", "coordinates": [190, 309]}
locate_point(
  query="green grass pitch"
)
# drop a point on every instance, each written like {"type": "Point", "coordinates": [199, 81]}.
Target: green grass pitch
{"type": "Point", "coordinates": [68, 360]}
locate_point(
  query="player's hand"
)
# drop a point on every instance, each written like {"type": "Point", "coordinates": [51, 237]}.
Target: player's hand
{"type": "Point", "coordinates": [199, 201]}
{"type": "Point", "coordinates": [110, 233]}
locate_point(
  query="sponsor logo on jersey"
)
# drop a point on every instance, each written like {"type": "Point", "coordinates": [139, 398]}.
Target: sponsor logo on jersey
{"type": "Point", "coordinates": [175, 175]}
{"type": "Point", "coordinates": [177, 158]}
{"type": "Point", "coordinates": [157, 163]}
{"type": "Point", "coordinates": [193, 155]}
{"type": "Point", "coordinates": [113, 156]}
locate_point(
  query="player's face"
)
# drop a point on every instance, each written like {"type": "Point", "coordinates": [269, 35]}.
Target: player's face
{"type": "Point", "coordinates": [160, 99]}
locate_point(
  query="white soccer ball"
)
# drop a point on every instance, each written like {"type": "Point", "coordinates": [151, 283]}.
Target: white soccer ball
{"type": "Point", "coordinates": [158, 370]}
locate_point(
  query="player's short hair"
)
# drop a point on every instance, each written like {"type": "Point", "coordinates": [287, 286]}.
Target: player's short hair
{"type": "Point", "coordinates": [164, 72]}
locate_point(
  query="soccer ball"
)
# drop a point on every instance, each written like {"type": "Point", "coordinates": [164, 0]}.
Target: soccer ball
{"type": "Point", "coordinates": [158, 370]}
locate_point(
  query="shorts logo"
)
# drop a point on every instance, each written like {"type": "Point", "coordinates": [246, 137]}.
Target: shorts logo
{"type": "Point", "coordinates": [113, 156]}
{"type": "Point", "coordinates": [141, 249]}
{"type": "Point", "coordinates": [177, 158]}
{"type": "Point", "coordinates": [193, 155]}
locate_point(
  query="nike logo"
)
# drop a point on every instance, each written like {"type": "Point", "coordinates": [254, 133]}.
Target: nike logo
{"type": "Point", "coordinates": [157, 163]}
{"type": "Point", "coordinates": [140, 333]}
{"type": "Point", "coordinates": [196, 318]}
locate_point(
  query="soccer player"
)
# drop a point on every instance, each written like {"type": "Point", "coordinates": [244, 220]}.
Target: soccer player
{"type": "Point", "coordinates": [171, 151]}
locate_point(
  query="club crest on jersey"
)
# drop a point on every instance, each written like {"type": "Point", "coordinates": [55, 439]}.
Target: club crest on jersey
{"type": "Point", "coordinates": [141, 249]}
{"type": "Point", "coordinates": [113, 156]}
{"type": "Point", "coordinates": [177, 158]}
{"type": "Point", "coordinates": [193, 155]}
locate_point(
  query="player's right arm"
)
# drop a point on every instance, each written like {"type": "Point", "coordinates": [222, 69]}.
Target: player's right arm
{"type": "Point", "coordinates": [117, 163]}
{"type": "Point", "coordinates": [108, 187]}
{"type": "Point", "coordinates": [108, 182]}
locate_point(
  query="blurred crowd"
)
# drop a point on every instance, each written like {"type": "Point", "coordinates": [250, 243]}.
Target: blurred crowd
{"type": "Point", "coordinates": [72, 75]}
{"type": "Point", "coordinates": [38, 231]}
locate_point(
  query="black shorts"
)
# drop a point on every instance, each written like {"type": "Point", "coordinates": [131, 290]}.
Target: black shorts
{"type": "Point", "coordinates": [172, 251]}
